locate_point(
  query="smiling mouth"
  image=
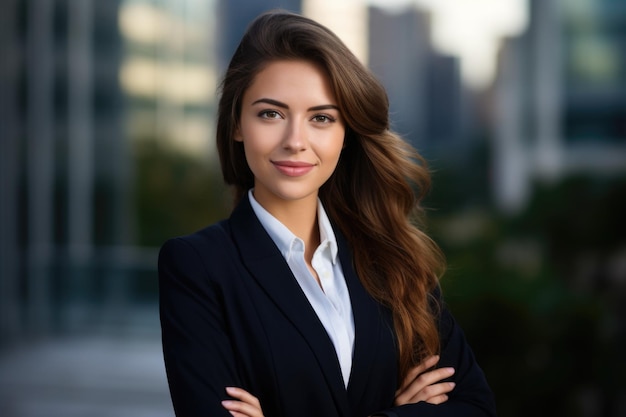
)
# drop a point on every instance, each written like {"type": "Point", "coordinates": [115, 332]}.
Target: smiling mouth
{"type": "Point", "coordinates": [293, 168]}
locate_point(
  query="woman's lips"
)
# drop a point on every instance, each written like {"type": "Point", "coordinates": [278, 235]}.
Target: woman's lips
{"type": "Point", "coordinates": [293, 168]}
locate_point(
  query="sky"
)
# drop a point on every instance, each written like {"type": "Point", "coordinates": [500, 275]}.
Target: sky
{"type": "Point", "coordinates": [469, 29]}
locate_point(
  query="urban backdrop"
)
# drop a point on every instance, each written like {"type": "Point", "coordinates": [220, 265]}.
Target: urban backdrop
{"type": "Point", "coordinates": [107, 115]}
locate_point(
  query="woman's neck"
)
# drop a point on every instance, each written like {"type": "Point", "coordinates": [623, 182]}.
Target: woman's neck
{"type": "Point", "coordinates": [300, 217]}
{"type": "Point", "coordinates": [302, 221]}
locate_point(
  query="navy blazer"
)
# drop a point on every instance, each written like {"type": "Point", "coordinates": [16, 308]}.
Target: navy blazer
{"type": "Point", "coordinates": [232, 314]}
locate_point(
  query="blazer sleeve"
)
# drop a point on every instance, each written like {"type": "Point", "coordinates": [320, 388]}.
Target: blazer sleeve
{"type": "Point", "coordinates": [471, 396]}
{"type": "Point", "coordinates": [198, 356]}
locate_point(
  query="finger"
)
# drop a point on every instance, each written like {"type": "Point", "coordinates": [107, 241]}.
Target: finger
{"type": "Point", "coordinates": [245, 405]}
{"type": "Point", "coordinates": [440, 399]}
{"type": "Point", "coordinates": [237, 414]}
{"type": "Point", "coordinates": [414, 392]}
{"type": "Point", "coordinates": [428, 394]}
{"type": "Point", "coordinates": [425, 379]}
{"type": "Point", "coordinates": [423, 366]}
{"type": "Point", "coordinates": [431, 392]}
{"type": "Point", "coordinates": [242, 395]}
{"type": "Point", "coordinates": [241, 409]}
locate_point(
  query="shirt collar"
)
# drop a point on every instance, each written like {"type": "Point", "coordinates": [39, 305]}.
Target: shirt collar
{"type": "Point", "coordinates": [286, 241]}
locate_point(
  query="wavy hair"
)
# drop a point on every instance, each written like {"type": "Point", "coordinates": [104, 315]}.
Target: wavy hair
{"type": "Point", "coordinates": [374, 194]}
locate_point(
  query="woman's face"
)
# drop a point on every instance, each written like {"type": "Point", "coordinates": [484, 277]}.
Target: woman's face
{"type": "Point", "coordinates": [292, 132]}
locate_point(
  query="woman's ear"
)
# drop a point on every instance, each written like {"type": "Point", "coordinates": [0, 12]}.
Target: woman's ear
{"type": "Point", "coordinates": [237, 136]}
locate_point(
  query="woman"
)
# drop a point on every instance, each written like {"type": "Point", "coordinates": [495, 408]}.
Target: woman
{"type": "Point", "coordinates": [318, 296]}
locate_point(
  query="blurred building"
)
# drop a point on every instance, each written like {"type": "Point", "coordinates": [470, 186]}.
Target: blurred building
{"type": "Point", "coordinates": [83, 83]}
{"type": "Point", "coordinates": [348, 19]}
{"type": "Point", "coordinates": [424, 87]}
{"type": "Point", "coordinates": [399, 56]}
{"type": "Point", "coordinates": [234, 16]}
{"type": "Point", "coordinates": [168, 72]}
{"type": "Point", "coordinates": [65, 162]}
{"type": "Point", "coordinates": [560, 98]}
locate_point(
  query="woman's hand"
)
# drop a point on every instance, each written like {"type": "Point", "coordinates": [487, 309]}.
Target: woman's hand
{"type": "Point", "coordinates": [245, 405]}
{"type": "Point", "coordinates": [422, 384]}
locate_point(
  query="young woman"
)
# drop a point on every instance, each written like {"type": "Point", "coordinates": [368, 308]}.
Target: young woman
{"type": "Point", "coordinates": [319, 295]}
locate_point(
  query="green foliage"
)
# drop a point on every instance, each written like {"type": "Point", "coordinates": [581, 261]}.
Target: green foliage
{"type": "Point", "coordinates": [175, 193]}
{"type": "Point", "coordinates": [538, 300]}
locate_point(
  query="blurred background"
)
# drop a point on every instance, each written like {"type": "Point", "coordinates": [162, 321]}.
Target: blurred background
{"type": "Point", "coordinates": [107, 113]}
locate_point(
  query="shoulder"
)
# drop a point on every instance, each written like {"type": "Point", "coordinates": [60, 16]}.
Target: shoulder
{"type": "Point", "coordinates": [212, 235]}
{"type": "Point", "coordinates": [211, 243]}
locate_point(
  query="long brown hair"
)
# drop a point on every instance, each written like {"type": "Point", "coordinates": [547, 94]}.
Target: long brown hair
{"type": "Point", "coordinates": [373, 196]}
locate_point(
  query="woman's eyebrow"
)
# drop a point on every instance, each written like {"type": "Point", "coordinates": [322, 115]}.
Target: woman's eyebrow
{"type": "Point", "coordinates": [285, 106]}
{"type": "Point", "coordinates": [272, 102]}
{"type": "Point", "coordinates": [324, 107]}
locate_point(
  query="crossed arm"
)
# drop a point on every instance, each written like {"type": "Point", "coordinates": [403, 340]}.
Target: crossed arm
{"type": "Point", "coordinates": [423, 383]}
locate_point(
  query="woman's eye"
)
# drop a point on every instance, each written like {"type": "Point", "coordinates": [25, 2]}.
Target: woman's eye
{"type": "Point", "coordinates": [269, 114]}
{"type": "Point", "coordinates": [322, 118]}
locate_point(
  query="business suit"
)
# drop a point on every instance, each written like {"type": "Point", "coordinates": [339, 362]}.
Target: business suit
{"type": "Point", "coordinates": [232, 314]}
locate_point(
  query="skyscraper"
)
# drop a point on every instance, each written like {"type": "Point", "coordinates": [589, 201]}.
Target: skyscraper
{"type": "Point", "coordinates": [61, 111]}
{"type": "Point", "coordinates": [561, 98]}
{"type": "Point", "coordinates": [234, 16]}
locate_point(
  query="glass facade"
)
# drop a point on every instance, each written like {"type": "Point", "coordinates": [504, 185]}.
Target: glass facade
{"type": "Point", "coordinates": [594, 36]}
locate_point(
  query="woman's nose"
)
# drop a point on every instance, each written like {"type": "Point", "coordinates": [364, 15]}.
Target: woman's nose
{"type": "Point", "coordinates": [295, 137]}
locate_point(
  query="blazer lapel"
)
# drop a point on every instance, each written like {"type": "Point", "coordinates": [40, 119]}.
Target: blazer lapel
{"type": "Point", "coordinates": [266, 264]}
{"type": "Point", "coordinates": [366, 324]}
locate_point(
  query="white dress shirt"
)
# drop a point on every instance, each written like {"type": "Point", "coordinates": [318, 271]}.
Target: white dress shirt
{"type": "Point", "coordinates": [330, 299]}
